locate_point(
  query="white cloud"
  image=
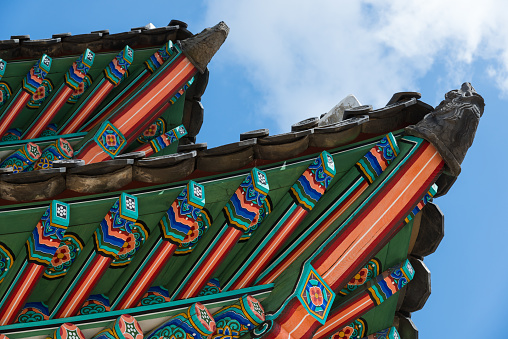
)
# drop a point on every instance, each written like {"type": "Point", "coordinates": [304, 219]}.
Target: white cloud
{"type": "Point", "coordinates": [324, 50]}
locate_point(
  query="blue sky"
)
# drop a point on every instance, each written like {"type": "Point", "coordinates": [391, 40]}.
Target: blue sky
{"type": "Point", "coordinates": [287, 61]}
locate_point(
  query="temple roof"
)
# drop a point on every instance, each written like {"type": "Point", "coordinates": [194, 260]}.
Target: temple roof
{"type": "Point", "coordinates": [288, 201]}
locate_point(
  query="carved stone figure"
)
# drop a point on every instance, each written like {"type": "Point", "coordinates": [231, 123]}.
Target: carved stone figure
{"type": "Point", "coordinates": [200, 48]}
{"type": "Point", "coordinates": [451, 127]}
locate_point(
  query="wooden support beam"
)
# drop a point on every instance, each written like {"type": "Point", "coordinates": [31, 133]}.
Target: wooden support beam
{"type": "Point", "coordinates": [133, 117]}
{"type": "Point", "coordinates": [124, 327]}
{"type": "Point", "coordinates": [176, 223]}
{"type": "Point", "coordinates": [306, 192]}
{"type": "Point", "coordinates": [370, 166]}
{"type": "Point", "coordinates": [158, 144]}
{"type": "Point", "coordinates": [241, 212]}
{"type": "Point", "coordinates": [239, 318]}
{"type": "Point", "coordinates": [109, 239]}
{"type": "Point", "coordinates": [166, 52]}
{"type": "Point", "coordinates": [196, 322]}
{"type": "Point", "coordinates": [375, 292]}
{"type": "Point", "coordinates": [40, 248]}
{"type": "Point", "coordinates": [74, 76]}
{"type": "Point", "coordinates": [31, 82]}
{"type": "Point", "coordinates": [113, 75]}
{"type": "Point", "coordinates": [67, 331]}
{"type": "Point", "coordinates": [366, 232]}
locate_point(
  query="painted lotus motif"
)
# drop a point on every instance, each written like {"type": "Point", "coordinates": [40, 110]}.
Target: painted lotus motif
{"type": "Point", "coordinates": [316, 295]}
{"type": "Point", "coordinates": [62, 255]}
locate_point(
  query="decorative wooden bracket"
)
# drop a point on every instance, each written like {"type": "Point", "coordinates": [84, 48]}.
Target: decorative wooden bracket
{"type": "Point", "coordinates": [241, 211]}
{"type": "Point", "coordinates": [41, 246]}
{"type": "Point", "coordinates": [174, 226]}
{"type": "Point", "coordinates": [31, 82]}
{"type": "Point", "coordinates": [306, 192]}
{"type": "Point", "coordinates": [109, 239]}
{"type": "Point", "coordinates": [74, 76]}
{"type": "Point", "coordinates": [113, 74]}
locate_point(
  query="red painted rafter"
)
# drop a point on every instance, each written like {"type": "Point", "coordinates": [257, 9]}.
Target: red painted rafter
{"type": "Point", "coordinates": [174, 226]}
{"type": "Point", "coordinates": [367, 233]}
{"type": "Point", "coordinates": [241, 211]}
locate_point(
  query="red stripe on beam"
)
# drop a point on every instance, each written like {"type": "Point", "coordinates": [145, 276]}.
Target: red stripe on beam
{"type": "Point", "coordinates": [84, 287]}
{"type": "Point", "coordinates": [49, 113]}
{"type": "Point", "coordinates": [211, 263]}
{"type": "Point", "coordinates": [21, 292]}
{"type": "Point", "coordinates": [113, 107]}
{"type": "Point", "coordinates": [146, 277]}
{"type": "Point", "coordinates": [92, 103]}
{"type": "Point", "coordinates": [297, 251]}
{"type": "Point", "coordinates": [256, 266]}
{"type": "Point", "coordinates": [17, 107]}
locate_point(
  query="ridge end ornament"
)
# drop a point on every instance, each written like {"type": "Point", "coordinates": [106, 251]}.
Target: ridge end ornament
{"type": "Point", "coordinates": [452, 125]}
{"type": "Point", "coordinates": [200, 48]}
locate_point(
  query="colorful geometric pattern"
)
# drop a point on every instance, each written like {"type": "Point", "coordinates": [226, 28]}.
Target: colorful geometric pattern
{"type": "Point", "coordinates": [211, 287]}
{"type": "Point", "coordinates": [264, 211]}
{"type": "Point", "coordinates": [5, 93]}
{"type": "Point", "coordinates": [426, 199]}
{"type": "Point", "coordinates": [195, 323]}
{"type": "Point", "coordinates": [110, 139]}
{"type": "Point", "coordinates": [68, 250]}
{"type": "Point", "coordinates": [369, 271]}
{"type": "Point", "coordinates": [183, 213]}
{"type": "Point", "coordinates": [155, 295]}
{"type": "Point", "coordinates": [50, 131]}
{"type": "Point", "coordinates": [125, 327]}
{"type": "Point", "coordinates": [116, 69]}
{"type": "Point", "coordinates": [59, 150]}
{"type": "Point", "coordinates": [41, 94]}
{"type": "Point", "coordinates": [157, 128]}
{"type": "Point", "coordinates": [79, 69]}
{"type": "Point", "coordinates": [356, 330]}
{"type": "Point", "coordinates": [390, 282]}
{"type": "Point", "coordinates": [115, 228]}
{"type": "Point", "coordinates": [235, 320]}
{"type": "Point", "coordinates": [22, 158]}
{"type": "Point", "coordinates": [12, 134]}
{"type": "Point", "coordinates": [96, 303]}
{"type": "Point", "coordinates": [3, 67]}
{"type": "Point", "coordinates": [82, 87]}
{"type": "Point", "coordinates": [181, 91]}
{"type": "Point", "coordinates": [160, 142]}
{"type": "Point", "coordinates": [6, 261]}
{"type": "Point", "coordinates": [158, 58]}
{"type": "Point", "coordinates": [311, 185]}
{"type": "Point", "coordinates": [32, 312]}
{"type": "Point", "coordinates": [37, 73]}
{"type": "Point", "coordinates": [378, 158]}
{"type": "Point", "coordinates": [197, 230]}
{"type": "Point", "coordinates": [138, 236]}
{"type": "Point", "coordinates": [389, 333]}
{"type": "Point", "coordinates": [49, 232]}
{"type": "Point", "coordinates": [67, 331]}
{"type": "Point", "coordinates": [242, 209]}
{"type": "Point", "coordinates": [315, 294]}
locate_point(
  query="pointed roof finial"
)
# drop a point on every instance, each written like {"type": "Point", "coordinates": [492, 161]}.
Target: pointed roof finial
{"type": "Point", "coordinates": [200, 48]}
